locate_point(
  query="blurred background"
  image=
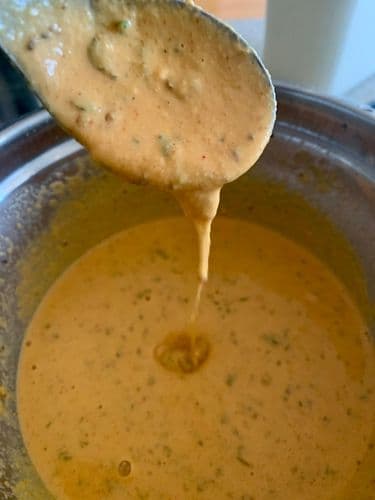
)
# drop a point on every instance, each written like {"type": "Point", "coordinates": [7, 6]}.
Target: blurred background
{"type": "Point", "coordinates": [326, 46]}
{"type": "Point", "coordinates": [235, 9]}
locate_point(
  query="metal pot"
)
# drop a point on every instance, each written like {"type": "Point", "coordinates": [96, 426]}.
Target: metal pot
{"type": "Point", "coordinates": [315, 183]}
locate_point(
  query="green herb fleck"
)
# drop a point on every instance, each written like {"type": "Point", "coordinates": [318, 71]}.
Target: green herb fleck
{"type": "Point", "coordinates": [266, 379]}
{"type": "Point", "coordinates": [144, 294]}
{"type": "Point", "coordinates": [167, 146]}
{"type": "Point", "coordinates": [230, 379]}
{"type": "Point", "coordinates": [161, 253]}
{"type": "Point", "coordinates": [287, 393]}
{"type": "Point", "coordinates": [203, 485]}
{"type": "Point", "coordinates": [271, 339]}
{"type": "Point", "coordinates": [241, 459]}
{"type": "Point", "coordinates": [167, 450]}
{"type": "Point", "coordinates": [219, 472]}
{"type": "Point", "coordinates": [64, 455]}
{"type": "Point", "coordinates": [329, 471]}
{"type": "Point", "coordinates": [83, 104]}
{"type": "Point", "coordinates": [124, 25]}
{"type": "Point", "coordinates": [224, 419]}
{"type": "Point", "coordinates": [365, 395]}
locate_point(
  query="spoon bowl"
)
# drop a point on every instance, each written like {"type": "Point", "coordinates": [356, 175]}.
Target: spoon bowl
{"type": "Point", "coordinates": [95, 61]}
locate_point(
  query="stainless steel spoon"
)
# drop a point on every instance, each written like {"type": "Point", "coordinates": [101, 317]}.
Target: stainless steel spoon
{"type": "Point", "coordinates": [205, 107]}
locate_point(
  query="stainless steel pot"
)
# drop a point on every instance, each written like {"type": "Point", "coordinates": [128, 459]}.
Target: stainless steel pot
{"type": "Point", "coordinates": [315, 183]}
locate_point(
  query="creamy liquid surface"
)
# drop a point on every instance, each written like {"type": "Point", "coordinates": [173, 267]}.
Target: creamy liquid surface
{"type": "Point", "coordinates": [281, 408]}
{"type": "Point", "coordinates": [154, 89]}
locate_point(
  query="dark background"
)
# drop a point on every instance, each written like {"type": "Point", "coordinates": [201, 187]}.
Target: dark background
{"type": "Point", "coordinates": [15, 97]}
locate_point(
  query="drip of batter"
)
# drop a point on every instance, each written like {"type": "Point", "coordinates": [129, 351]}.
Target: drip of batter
{"type": "Point", "coordinates": [201, 207]}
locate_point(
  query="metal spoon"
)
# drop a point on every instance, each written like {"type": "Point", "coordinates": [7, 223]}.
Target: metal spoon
{"type": "Point", "coordinates": [206, 104]}
{"type": "Point", "coordinates": [20, 33]}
